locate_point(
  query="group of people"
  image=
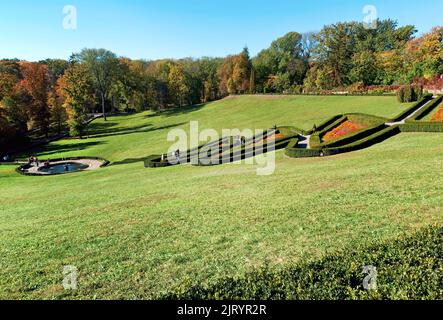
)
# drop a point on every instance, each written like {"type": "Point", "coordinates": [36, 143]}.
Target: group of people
{"type": "Point", "coordinates": [34, 161]}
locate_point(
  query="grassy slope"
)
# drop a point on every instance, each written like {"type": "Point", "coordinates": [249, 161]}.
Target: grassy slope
{"type": "Point", "coordinates": [134, 232]}
{"type": "Point", "coordinates": [145, 134]}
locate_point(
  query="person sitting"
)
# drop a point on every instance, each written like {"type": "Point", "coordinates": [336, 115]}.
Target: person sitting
{"type": "Point", "coordinates": [46, 163]}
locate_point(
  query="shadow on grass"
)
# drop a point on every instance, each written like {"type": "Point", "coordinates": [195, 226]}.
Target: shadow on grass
{"type": "Point", "coordinates": [52, 149]}
{"type": "Point", "coordinates": [180, 110]}
{"type": "Point", "coordinates": [129, 161]}
{"type": "Point", "coordinates": [136, 129]}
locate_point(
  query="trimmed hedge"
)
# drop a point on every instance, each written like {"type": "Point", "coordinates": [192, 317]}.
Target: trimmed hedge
{"type": "Point", "coordinates": [326, 124]}
{"type": "Point", "coordinates": [374, 124]}
{"type": "Point", "coordinates": [364, 143]}
{"type": "Point", "coordinates": [228, 155]}
{"type": "Point", "coordinates": [425, 111]}
{"type": "Point", "coordinates": [302, 153]}
{"type": "Point", "coordinates": [354, 137]}
{"type": "Point", "coordinates": [316, 137]}
{"type": "Point", "coordinates": [407, 268]}
{"type": "Point", "coordinates": [417, 126]}
{"type": "Point", "coordinates": [413, 108]}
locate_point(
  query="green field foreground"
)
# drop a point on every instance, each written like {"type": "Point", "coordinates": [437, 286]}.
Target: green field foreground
{"type": "Point", "coordinates": [136, 233]}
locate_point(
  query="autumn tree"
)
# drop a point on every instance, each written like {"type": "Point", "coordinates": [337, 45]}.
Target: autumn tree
{"type": "Point", "coordinates": [235, 73]}
{"type": "Point", "coordinates": [76, 86]}
{"type": "Point", "coordinates": [36, 83]}
{"type": "Point", "coordinates": [178, 84]}
{"type": "Point", "coordinates": [103, 67]}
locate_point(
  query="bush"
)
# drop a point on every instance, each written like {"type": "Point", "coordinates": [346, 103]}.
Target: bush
{"type": "Point", "coordinates": [408, 268]}
{"type": "Point", "coordinates": [409, 93]}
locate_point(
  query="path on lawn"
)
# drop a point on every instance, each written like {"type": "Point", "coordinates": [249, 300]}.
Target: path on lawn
{"type": "Point", "coordinates": [305, 143]}
{"type": "Point", "coordinates": [403, 121]}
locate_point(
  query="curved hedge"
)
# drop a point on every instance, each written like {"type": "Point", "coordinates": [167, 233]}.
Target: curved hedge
{"type": "Point", "coordinates": [407, 268]}
{"type": "Point", "coordinates": [377, 137]}
{"type": "Point", "coordinates": [354, 137]}
{"type": "Point", "coordinates": [426, 110]}
{"type": "Point", "coordinates": [413, 108]}
{"type": "Point", "coordinates": [228, 155]}
{"type": "Point", "coordinates": [376, 132]}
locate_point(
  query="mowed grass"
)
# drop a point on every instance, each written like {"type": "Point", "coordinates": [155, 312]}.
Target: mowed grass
{"type": "Point", "coordinates": [135, 233]}
{"type": "Point", "coordinates": [130, 138]}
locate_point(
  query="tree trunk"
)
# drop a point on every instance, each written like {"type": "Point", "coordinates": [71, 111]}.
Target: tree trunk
{"type": "Point", "coordinates": [103, 106]}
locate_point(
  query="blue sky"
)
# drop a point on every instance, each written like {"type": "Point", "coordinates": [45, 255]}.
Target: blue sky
{"type": "Point", "coordinates": [152, 29]}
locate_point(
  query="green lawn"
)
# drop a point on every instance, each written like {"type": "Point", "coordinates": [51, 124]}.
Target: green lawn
{"type": "Point", "coordinates": [134, 232]}
{"type": "Point", "coordinates": [140, 135]}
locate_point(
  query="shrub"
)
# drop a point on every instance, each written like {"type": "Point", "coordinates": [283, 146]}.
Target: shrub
{"type": "Point", "coordinates": [407, 268]}
{"type": "Point", "coordinates": [409, 93]}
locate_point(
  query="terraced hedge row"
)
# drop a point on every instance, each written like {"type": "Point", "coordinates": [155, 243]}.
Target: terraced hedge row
{"type": "Point", "coordinates": [421, 126]}
{"type": "Point", "coordinates": [413, 108]}
{"type": "Point", "coordinates": [227, 155]}
{"type": "Point", "coordinates": [355, 137]}
{"type": "Point", "coordinates": [370, 140]}
{"type": "Point", "coordinates": [410, 267]}
{"type": "Point", "coordinates": [316, 137]}
{"type": "Point", "coordinates": [326, 124]}
{"type": "Point", "coordinates": [376, 132]}
{"type": "Point", "coordinates": [425, 111]}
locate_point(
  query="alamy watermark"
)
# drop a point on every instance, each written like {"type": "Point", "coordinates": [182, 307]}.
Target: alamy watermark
{"type": "Point", "coordinates": [70, 278]}
{"type": "Point", "coordinates": [370, 281]}
{"type": "Point", "coordinates": [69, 17]}
{"type": "Point", "coordinates": [370, 19]}
{"type": "Point", "coordinates": [253, 147]}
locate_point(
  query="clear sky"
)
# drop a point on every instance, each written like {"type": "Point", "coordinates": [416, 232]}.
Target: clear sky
{"type": "Point", "coordinates": [152, 29]}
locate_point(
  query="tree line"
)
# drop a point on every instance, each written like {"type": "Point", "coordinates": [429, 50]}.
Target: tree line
{"type": "Point", "coordinates": [49, 95]}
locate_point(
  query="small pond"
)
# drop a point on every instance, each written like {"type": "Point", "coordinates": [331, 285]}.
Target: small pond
{"type": "Point", "coordinates": [63, 168]}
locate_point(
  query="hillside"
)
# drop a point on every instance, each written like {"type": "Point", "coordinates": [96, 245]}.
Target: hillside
{"type": "Point", "coordinates": [135, 232]}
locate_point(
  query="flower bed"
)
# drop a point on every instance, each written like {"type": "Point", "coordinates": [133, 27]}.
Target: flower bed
{"type": "Point", "coordinates": [343, 129]}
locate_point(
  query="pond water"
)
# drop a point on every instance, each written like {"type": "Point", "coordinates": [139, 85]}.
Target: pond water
{"type": "Point", "coordinates": [63, 168]}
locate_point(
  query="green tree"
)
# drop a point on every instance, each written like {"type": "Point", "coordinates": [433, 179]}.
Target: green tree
{"type": "Point", "coordinates": [103, 67]}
